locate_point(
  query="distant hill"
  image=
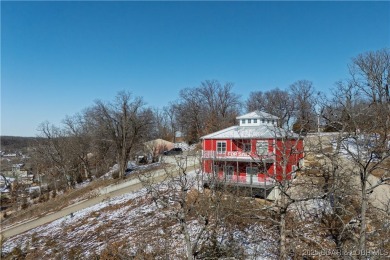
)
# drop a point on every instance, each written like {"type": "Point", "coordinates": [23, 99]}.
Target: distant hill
{"type": "Point", "coordinates": [16, 143]}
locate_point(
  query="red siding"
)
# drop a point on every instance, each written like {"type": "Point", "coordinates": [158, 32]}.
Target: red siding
{"type": "Point", "coordinates": [286, 151]}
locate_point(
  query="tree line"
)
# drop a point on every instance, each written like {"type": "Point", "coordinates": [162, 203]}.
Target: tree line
{"type": "Point", "coordinates": [113, 131]}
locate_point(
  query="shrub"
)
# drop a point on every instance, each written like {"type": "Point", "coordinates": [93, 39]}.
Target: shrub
{"type": "Point", "coordinates": [116, 250]}
{"type": "Point", "coordinates": [24, 203]}
{"type": "Point", "coordinates": [79, 178]}
{"type": "Point", "coordinates": [34, 194]}
{"type": "Point", "coordinates": [17, 253]}
{"type": "Point", "coordinates": [115, 175]}
{"type": "Point", "coordinates": [54, 194]}
{"type": "Point", "coordinates": [76, 252]}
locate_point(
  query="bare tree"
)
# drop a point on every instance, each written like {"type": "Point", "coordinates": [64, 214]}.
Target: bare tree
{"type": "Point", "coordinates": [172, 194]}
{"type": "Point", "coordinates": [80, 140]}
{"type": "Point", "coordinates": [207, 221]}
{"type": "Point", "coordinates": [222, 105]}
{"type": "Point", "coordinates": [55, 149]}
{"type": "Point", "coordinates": [276, 102]}
{"type": "Point", "coordinates": [170, 115]}
{"type": "Point", "coordinates": [293, 197]}
{"type": "Point", "coordinates": [125, 122]}
{"type": "Point", "coordinates": [255, 101]}
{"type": "Point", "coordinates": [207, 108]}
{"type": "Point", "coordinates": [102, 148]}
{"type": "Point", "coordinates": [302, 92]}
{"type": "Point", "coordinates": [368, 154]}
{"type": "Point", "coordinates": [334, 179]}
{"type": "Point", "coordinates": [288, 149]}
{"type": "Point", "coordinates": [361, 110]}
{"type": "Point", "coordinates": [160, 128]}
{"type": "Point", "coordinates": [190, 114]}
{"type": "Point", "coordinates": [370, 73]}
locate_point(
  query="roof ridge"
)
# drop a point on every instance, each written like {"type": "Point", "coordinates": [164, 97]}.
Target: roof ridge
{"type": "Point", "coordinates": [220, 131]}
{"type": "Point", "coordinates": [261, 131]}
{"type": "Point", "coordinates": [257, 114]}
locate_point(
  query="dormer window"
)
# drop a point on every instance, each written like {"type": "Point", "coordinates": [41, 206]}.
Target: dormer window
{"type": "Point", "coordinates": [243, 121]}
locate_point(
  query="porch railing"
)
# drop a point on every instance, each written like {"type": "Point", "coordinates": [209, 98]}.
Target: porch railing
{"type": "Point", "coordinates": [232, 155]}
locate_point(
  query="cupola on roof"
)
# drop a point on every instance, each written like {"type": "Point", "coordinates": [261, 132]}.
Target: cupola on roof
{"type": "Point", "coordinates": [258, 118]}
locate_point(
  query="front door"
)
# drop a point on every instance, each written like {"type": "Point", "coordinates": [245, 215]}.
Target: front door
{"type": "Point", "coordinates": [251, 175]}
{"type": "Point", "coordinates": [229, 171]}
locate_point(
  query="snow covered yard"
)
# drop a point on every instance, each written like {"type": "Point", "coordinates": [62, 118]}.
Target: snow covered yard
{"type": "Point", "coordinates": [128, 225]}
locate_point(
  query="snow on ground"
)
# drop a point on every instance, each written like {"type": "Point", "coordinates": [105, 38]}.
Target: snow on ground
{"type": "Point", "coordinates": [132, 219]}
{"type": "Point", "coordinates": [314, 208]}
{"type": "Point", "coordinates": [132, 166]}
{"type": "Point", "coordinates": [185, 146]}
{"type": "Point", "coordinates": [69, 232]}
{"type": "Point", "coordinates": [362, 147]}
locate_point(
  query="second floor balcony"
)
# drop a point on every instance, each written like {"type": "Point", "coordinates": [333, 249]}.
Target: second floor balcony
{"type": "Point", "coordinates": [237, 156]}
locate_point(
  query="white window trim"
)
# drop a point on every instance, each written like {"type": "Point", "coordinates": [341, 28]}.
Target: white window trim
{"type": "Point", "coordinates": [217, 148]}
{"type": "Point", "coordinates": [263, 144]}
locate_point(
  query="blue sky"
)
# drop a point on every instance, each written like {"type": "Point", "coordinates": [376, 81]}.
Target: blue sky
{"type": "Point", "coordinates": [58, 57]}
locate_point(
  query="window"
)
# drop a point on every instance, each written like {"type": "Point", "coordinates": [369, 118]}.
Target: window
{"type": "Point", "coordinates": [221, 147]}
{"type": "Point", "coordinates": [243, 121]}
{"type": "Point", "coordinates": [267, 121]}
{"type": "Point", "coordinates": [262, 120]}
{"type": "Point", "coordinates": [255, 121]}
{"type": "Point", "coordinates": [249, 121]}
{"type": "Point", "coordinates": [262, 147]}
{"type": "Point", "coordinates": [252, 170]}
{"type": "Point", "coordinates": [247, 148]}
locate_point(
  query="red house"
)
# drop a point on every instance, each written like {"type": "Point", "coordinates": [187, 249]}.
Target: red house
{"type": "Point", "coordinates": [256, 153]}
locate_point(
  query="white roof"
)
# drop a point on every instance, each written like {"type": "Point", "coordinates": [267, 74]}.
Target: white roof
{"type": "Point", "coordinates": [250, 132]}
{"type": "Point", "coordinates": [257, 114]}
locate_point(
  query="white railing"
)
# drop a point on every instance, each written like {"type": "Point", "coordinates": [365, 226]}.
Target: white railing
{"type": "Point", "coordinates": [236, 155]}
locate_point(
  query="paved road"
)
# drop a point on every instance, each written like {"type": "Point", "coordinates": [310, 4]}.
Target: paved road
{"type": "Point", "coordinates": [18, 229]}
{"type": "Point", "coordinates": [134, 186]}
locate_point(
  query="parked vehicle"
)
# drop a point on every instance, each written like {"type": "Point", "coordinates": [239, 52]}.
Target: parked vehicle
{"type": "Point", "coordinates": [174, 151]}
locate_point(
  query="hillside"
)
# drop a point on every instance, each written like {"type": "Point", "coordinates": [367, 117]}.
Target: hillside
{"type": "Point", "coordinates": [127, 226]}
